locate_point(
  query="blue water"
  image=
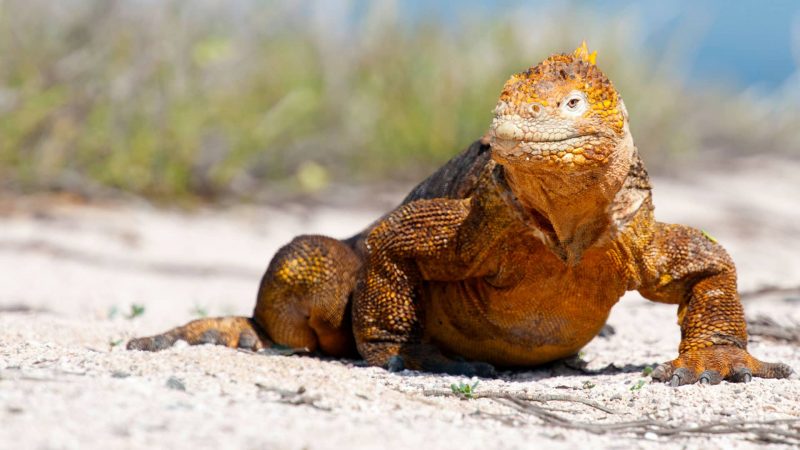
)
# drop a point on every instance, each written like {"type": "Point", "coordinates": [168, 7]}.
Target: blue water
{"type": "Point", "coordinates": [740, 42]}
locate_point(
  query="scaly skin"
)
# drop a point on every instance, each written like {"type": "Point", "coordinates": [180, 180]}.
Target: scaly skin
{"type": "Point", "coordinates": [512, 254]}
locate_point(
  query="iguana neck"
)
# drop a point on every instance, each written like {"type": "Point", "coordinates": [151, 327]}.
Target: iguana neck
{"type": "Point", "coordinates": [575, 211]}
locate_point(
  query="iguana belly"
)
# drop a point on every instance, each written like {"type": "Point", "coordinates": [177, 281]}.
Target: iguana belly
{"type": "Point", "coordinates": [535, 313]}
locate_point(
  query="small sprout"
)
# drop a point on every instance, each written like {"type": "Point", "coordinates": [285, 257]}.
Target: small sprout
{"type": "Point", "coordinates": [113, 312]}
{"type": "Point", "coordinates": [708, 236]}
{"type": "Point", "coordinates": [588, 384]}
{"type": "Point", "coordinates": [639, 384]}
{"type": "Point", "coordinates": [114, 342]}
{"type": "Point", "coordinates": [199, 311]}
{"type": "Point", "coordinates": [136, 311]}
{"type": "Point", "coordinates": [647, 371]}
{"type": "Point", "coordinates": [464, 390]}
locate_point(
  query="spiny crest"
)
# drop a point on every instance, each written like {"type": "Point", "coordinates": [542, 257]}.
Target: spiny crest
{"type": "Point", "coordinates": [582, 53]}
{"type": "Point", "coordinates": [548, 82]}
{"type": "Point", "coordinates": [556, 76]}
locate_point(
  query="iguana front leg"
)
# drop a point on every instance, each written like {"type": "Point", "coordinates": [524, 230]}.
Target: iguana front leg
{"type": "Point", "coordinates": [685, 266]}
{"type": "Point", "coordinates": [387, 309]}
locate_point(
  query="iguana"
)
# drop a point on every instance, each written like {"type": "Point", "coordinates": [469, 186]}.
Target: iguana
{"type": "Point", "coordinates": [512, 254]}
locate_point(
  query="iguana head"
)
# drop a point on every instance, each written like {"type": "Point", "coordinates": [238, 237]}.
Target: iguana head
{"type": "Point", "coordinates": [563, 113]}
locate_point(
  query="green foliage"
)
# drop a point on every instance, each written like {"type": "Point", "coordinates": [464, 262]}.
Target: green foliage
{"type": "Point", "coordinates": [647, 371]}
{"type": "Point", "coordinates": [176, 99]}
{"type": "Point", "coordinates": [136, 311]}
{"type": "Point", "coordinates": [639, 385]}
{"type": "Point", "coordinates": [464, 390]}
{"type": "Point", "coordinates": [588, 384]}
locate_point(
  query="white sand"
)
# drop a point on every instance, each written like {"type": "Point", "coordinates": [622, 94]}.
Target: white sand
{"type": "Point", "coordinates": [62, 385]}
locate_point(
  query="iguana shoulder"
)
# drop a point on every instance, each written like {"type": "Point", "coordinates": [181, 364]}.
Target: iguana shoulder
{"type": "Point", "coordinates": [457, 178]}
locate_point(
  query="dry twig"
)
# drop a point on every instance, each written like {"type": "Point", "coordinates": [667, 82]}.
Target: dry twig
{"type": "Point", "coordinates": [543, 398]}
{"type": "Point", "coordinates": [294, 397]}
{"type": "Point", "coordinates": [780, 431]}
{"type": "Point", "coordinates": [769, 290]}
{"type": "Point", "coordinates": [767, 327]}
{"type": "Point", "coordinates": [763, 430]}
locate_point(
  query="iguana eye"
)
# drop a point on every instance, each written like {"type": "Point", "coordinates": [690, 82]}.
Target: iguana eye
{"type": "Point", "coordinates": [574, 104]}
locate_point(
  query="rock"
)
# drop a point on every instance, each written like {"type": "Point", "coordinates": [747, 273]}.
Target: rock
{"type": "Point", "coordinates": [175, 383]}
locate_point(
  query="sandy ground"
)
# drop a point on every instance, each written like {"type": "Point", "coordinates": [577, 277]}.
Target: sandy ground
{"type": "Point", "coordinates": [71, 274]}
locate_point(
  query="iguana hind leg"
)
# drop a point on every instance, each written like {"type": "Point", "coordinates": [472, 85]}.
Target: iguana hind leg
{"type": "Point", "coordinates": [303, 302]}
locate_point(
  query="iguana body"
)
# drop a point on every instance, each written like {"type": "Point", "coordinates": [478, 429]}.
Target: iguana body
{"type": "Point", "coordinates": [512, 254]}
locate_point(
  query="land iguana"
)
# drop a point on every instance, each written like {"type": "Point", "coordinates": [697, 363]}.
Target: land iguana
{"type": "Point", "coordinates": [512, 254]}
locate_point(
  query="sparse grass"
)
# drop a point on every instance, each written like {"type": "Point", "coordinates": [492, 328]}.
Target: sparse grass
{"type": "Point", "coordinates": [136, 311]}
{"type": "Point", "coordinates": [177, 100]}
{"type": "Point", "coordinates": [638, 385]}
{"type": "Point", "coordinates": [464, 390]}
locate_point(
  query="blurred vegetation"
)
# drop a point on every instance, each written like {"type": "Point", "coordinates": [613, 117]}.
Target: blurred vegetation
{"type": "Point", "coordinates": [175, 99]}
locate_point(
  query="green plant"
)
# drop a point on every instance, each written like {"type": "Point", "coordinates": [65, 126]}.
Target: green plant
{"type": "Point", "coordinates": [638, 385]}
{"type": "Point", "coordinates": [183, 100]}
{"type": "Point", "coordinates": [464, 390]}
{"type": "Point", "coordinates": [136, 311]}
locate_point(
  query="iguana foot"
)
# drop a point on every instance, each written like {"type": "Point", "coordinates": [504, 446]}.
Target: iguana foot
{"type": "Point", "coordinates": [713, 364]}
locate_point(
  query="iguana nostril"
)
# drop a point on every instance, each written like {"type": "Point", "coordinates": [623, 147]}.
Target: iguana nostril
{"type": "Point", "coordinates": [533, 109]}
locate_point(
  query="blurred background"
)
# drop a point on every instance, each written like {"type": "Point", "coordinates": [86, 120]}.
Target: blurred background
{"type": "Point", "coordinates": [208, 100]}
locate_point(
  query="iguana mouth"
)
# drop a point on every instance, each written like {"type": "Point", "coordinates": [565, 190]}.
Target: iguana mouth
{"type": "Point", "coordinates": [575, 149]}
{"type": "Point", "coordinates": [514, 142]}
{"type": "Point", "coordinates": [568, 138]}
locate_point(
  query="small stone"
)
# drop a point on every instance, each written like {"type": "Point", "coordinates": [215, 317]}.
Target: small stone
{"type": "Point", "coordinates": [650, 436]}
{"type": "Point", "coordinates": [175, 383]}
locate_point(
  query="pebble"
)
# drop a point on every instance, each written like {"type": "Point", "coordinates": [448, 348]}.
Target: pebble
{"type": "Point", "coordinates": [175, 383]}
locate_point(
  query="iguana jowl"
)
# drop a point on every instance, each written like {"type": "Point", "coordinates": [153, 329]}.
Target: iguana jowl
{"type": "Point", "coordinates": [512, 254]}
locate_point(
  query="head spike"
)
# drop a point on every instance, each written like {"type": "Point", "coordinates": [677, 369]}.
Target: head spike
{"type": "Point", "coordinates": [582, 52]}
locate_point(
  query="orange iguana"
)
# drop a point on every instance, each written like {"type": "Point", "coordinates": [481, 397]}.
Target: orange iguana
{"type": "Point", "coordinates": [512, 254]}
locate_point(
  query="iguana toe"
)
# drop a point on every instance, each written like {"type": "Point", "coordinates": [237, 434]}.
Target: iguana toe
{"type": "Point", "coordinates": [712, 365]}
{"type": "Point", "coordinates": [151, 344]}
